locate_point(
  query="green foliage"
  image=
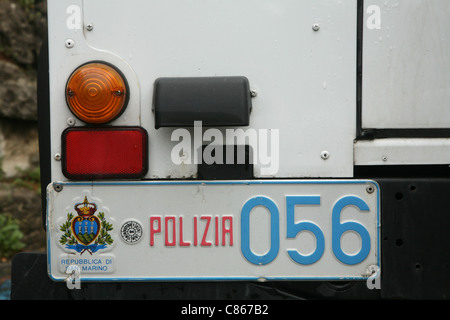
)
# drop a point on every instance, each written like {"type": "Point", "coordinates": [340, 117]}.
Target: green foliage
{"type": "Point", "coordinates": [105, 237]}
{"type": "Point", "coordinates": [2, 173]}
{"type": "Point", "coordinates": [27, 3]}
{"type": "Point", "coordinates": [28, 178]}
{"type": "Point", "coordinates": [67, 237]}
{"type": "Point", "coordinates": [31, 174]}
{"type": "Point", "coordinates": [29, 7]}
{"type": "Point", "coordinates": [10, 236]}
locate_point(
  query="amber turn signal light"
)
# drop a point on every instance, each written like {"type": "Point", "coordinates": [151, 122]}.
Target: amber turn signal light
{"type": "Point", "coordinates": [96, 93]}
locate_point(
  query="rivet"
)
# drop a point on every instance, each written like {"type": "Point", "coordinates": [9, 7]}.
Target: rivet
{"type": "Point", "coordinates": [70, 43]}
{"type": "Point", "coordinates": [70, 122]}
{"type": "Point", "coordinates": [325, 155]}
{"type": "Point", "coordinates": [58, 187]}
{"type": "Point", "coordinates": [370, 189]}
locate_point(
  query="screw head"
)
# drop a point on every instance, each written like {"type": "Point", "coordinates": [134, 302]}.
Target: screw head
{"type": "Point", "coordinates": [70, 43]}
{"type": "Point", "coordinates": [57, 156]}
{"type": "Point", "coordinates": [89, 27]}
{"type": "Point", "coordinates": [71, 122]}
{"type": "Point", "coordinates": [325, 155]}
{"type": "Point", "coordinates": [315, 27]}
{"type": "Point", "coordinates": [370, 189]}
{"type": "Point", "coordinates": [58, 187]}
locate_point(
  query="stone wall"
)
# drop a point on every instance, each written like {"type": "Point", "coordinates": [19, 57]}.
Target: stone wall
{"type": "Point", "coordinates": [22, 27]}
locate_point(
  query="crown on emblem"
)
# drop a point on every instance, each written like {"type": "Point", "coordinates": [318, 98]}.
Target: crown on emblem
{"type": "Point", "coordinates": [85, 208]}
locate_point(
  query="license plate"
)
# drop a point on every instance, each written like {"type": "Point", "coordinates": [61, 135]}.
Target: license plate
{"type": "Point", "coordinates": [214, 230]}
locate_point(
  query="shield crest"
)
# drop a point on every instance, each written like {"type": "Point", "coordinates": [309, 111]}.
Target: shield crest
{"type": "Point", "coordinates": [86, 226]}
{"type": "Point", "coordinates": [86, 230]}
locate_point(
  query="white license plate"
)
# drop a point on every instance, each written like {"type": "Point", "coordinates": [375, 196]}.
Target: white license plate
{"type": "Point", "coordinates": [215, 230]}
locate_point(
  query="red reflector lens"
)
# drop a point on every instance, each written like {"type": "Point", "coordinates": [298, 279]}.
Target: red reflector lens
{"type": "Point", "coordinates": [104, 153]}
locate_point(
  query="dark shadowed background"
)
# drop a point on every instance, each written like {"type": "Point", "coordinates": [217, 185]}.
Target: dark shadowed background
{"type": "Point", "coordinates": [22, 29]}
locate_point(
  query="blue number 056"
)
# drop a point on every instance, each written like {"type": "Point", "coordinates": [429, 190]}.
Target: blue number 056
{"type": "Point", "coordinates": [293, 229]}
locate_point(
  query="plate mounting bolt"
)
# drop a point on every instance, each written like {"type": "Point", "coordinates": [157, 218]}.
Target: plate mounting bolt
{"type": "Point", "coordinates": [324, 155]}
{"type": "Point", "coordinates": [370, 189]}
{"type": "Point", "coordinates": [58, 187]}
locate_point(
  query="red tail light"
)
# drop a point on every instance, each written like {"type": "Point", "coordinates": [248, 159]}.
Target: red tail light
{"type": "Point", "coordinates": [104, 153]}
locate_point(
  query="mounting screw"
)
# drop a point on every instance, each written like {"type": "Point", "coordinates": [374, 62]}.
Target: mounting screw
{"type": "Point", "coordinates": [70, 122]}
{"type": "Point", "coordinates": [70, 43]}
{"type": "Point", "coordinates": [253, 93]}
{"type": "Point", "coordinates": [384, 158]}
{"type": "Point", "coordinates": [89, 27]}
{"type": "Point", "coordinates": [325, 155]}
{"type": "Point", "coordinates": [316, 27]}
{"type": "Point", "coordinates": [57, 156]}
{"type": "Point", "coordinates": [57, 186]}
{"type": "Point", "coordinates": [370, 189]}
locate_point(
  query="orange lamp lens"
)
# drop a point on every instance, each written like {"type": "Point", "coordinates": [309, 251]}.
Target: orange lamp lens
{"type": "Point", "coordinates": [96, 93]}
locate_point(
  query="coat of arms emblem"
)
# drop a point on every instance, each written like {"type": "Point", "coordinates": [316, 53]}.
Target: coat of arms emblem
{"type": "Point", "coordinates": [86, 231]}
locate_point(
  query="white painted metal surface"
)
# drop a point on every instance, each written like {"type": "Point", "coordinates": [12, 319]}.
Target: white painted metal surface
{"type": "Point", "coordinates": [406, 64]}
{"type": "Point", "coordinates": [168, 230]}
{"type": "Point", "coordinates": [304, 79]}
{"type": "Point", "coordinates": [402, 152]}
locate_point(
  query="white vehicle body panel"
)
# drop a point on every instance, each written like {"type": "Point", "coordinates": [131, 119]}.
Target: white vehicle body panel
{"type": "Point", "coordinates": [305, 80]}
